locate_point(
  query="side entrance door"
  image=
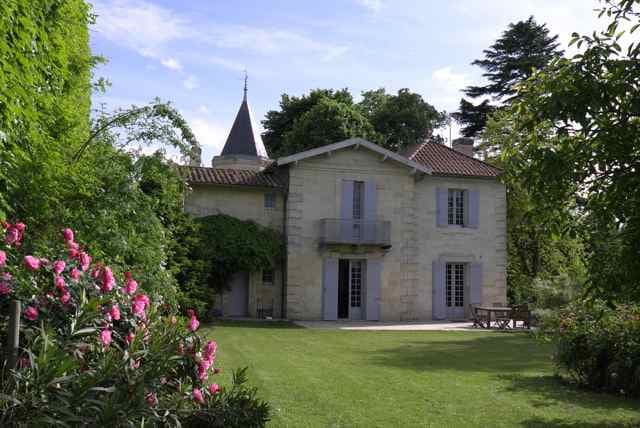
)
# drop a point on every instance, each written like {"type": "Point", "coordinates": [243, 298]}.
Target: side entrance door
{"type": "Point", "coordinates": [239, 295]}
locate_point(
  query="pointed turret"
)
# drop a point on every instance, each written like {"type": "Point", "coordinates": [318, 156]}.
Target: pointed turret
{"type": "Point", "coordinates": [244, 148]}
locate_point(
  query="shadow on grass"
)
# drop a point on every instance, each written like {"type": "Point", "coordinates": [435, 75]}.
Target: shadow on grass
{"type": "Point", "coordinates": [560, 423]}
{"type": "Point", "coordinates": [545, 391]}
{"type": "Point", "coordinates": [494, 353]}
{"type": "Point", "coordinates": [258, 324]}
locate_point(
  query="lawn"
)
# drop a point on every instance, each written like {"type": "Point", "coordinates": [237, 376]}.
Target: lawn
{"type": "Point", "coordinates": [330, 378]}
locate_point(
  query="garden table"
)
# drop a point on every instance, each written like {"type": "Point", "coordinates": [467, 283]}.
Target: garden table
{"type": "Point", "coordinates": [493, 309]}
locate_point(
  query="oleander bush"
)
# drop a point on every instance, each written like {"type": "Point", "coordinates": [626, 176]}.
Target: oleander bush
{"type": "Point", "coordinates": [97, 351]}
{"type": "Point", "coordinates": [598, 345]}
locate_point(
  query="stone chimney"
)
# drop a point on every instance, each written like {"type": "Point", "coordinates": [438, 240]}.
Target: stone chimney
{"type": "Point", "coordinates": [463, 145]}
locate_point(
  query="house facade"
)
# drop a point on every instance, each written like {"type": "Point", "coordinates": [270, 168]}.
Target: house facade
{"type": "Point", "coordinates": [370, 234]}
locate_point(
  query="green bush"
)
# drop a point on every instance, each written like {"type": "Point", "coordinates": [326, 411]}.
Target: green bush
{"type": "Point", "coordinates": [97, 351]}
{"type": "Point", "coordinates": [598, 346]}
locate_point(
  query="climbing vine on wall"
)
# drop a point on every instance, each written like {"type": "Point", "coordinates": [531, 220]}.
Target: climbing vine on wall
{"type": "Point", "coordinates": [218, 246]}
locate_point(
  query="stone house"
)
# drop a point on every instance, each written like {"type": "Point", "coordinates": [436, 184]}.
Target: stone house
{"type": "Point", "coordinates": [370, 234]}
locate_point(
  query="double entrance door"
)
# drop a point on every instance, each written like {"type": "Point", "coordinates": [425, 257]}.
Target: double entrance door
{"type": "Point", "coordinates": [350, 289]}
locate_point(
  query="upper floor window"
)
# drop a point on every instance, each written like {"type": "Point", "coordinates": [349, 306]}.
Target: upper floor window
{"type": "Point", "coordinates": [456, 207]}
{"type": "Point", "coordinates": [267, 277]}
{"type": "Point", "coordinates": [270, 200]}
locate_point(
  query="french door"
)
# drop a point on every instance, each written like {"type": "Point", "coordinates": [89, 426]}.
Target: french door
{"type": "Point", "coordinates": [455, 280]}
{"type": "Point", "coordinates": [350, 289]}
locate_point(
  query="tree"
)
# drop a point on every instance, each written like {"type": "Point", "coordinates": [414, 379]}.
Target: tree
{"type": "Point", "coordinates": [279, 122]}
{"type": "Point", "coordinates": [592, 105]}
{"type": "Point", "coordinates": [327, 122]}
{"type": "Point", "coordinates": [522, 48]}
{"type": "Point", "coordinates": [401, 120]}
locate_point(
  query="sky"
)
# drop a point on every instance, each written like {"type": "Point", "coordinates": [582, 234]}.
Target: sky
{"type": "Point", "coordinates": [193, 53]}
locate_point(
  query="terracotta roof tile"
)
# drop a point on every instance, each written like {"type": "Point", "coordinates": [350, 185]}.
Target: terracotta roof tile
{"type": "Point", "coordinates": [232, 177]}
{"type": "Point", "coordinates": [446, 161]}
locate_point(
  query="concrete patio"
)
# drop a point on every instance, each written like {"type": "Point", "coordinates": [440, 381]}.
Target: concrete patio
{"type": "Point", "coordinates": [389, 326]}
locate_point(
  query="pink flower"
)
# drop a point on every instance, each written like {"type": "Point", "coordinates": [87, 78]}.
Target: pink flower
{"type": "Point", "coordinates": [14, 234]}
{"type": "Point", "coordinates": [31, 313]}
{"type": "Point", "coordinates": [5, 276]}
{"type": "Point", "coordinates": [58, 266]}
{"type": "Point", "coordinates": [105, 337]}
{"type": "Point", "coordinates": [68, 235]}
{"type": "Point", "coordinates": [108, 280]}
{"type": "Point", "coordinates": [193, 323]}
{"type": "Point", "coordinates": [4, 288]}
{"type": "Point", "coordinates": [85, 260]}
{"type": "Point", "coordinates": [3, 258]}
{"type": "Point", "coordinates": [65, 297]}
{"type": "Point", "coordinates": [214, 388]}
{"type": "Point", "coordinates": [140, 303]}
{"type": "Point", "coordinates": [152, 400]}
{"type": "Point", "coordinates": [75, 274]}
{"type": "Point", "coordinates": [115, 312]}
{"type": "Point", "coordinates": [74, 249]}
{"type": "Point", "coordinates": [129, 338]}
{"type": "Point", "coordinates": [197, 395]}
{"type": "Point", "coordinates": [130, 286]}
{"type": "Point", "coordinates": [59, 283]}
{"type": "Point", "coordinates": [210, 349]}
{"type": "Point", "coordinates": [202, 372]}
{"type": "Point", "coordinates": [32, 263]}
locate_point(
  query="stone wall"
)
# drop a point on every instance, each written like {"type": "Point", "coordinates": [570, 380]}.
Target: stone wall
{"type": "Point", "coordinates": [408, 202]}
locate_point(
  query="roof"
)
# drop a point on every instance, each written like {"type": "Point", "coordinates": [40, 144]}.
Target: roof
{"type": "Point", "coordinates": [244, 138]}
{"type": "Point", "coordinates": [355, 142]}
{"type": "Point", "coordinates": [232, 177]}
{"type": "Point", "coordinates": [445, 161]}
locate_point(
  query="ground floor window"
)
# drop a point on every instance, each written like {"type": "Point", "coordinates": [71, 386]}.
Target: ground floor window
{"type": "Point", "coordinates": [455, 280]}
{"type": "Point", "coordinates": [356, 284]}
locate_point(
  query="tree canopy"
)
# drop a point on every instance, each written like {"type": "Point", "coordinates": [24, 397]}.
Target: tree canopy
{"type": "Point", "coordinates": [522, 48]}
{"type": "Point", "coordinates": [588, 109]}
{"type": "Point", "coordinates": [326, 116]}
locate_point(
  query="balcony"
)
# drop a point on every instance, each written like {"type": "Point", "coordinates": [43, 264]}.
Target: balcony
{"type": "Point", "coordinates": [355, 232]}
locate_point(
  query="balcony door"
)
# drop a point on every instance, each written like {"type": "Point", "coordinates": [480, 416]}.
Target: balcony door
{"type": "Point", "coordinates": [358, 211]}
{"type": "Point", "coordinates": [455, 280]}
{"type": "Point", "coordinates": [351, 289]}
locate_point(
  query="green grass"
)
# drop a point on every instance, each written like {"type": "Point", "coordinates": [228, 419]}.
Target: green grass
{"type": "Point", "coordinates": [330, 378]}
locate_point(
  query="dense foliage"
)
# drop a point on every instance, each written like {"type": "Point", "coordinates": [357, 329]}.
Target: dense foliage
{"type": "Point", "coordinates": [598, 346]}
{"type": "Point", "coordinates": [218, 246]}
{"type": "Point", "coordinates": [574, 134]}
{"type": "Point", "coordinates": [58, 166]}
{"type": "Point", "coordinates": [325, 116]}
{"type": "Point", "coordinates": [522, 48]}
{"type": "Point", "coordinates": [97, 351]}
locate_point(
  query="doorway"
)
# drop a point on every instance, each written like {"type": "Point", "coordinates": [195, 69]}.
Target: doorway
{"type": "Point", "coordinates": [455, 281]}
{"type": "Point", "coordinates": [350, 289]}
{"type": "Point", "coordinates": [239, 295]}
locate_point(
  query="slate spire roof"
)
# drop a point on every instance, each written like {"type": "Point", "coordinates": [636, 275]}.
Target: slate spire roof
{"type": "Point", "coordinates": [244, 138]}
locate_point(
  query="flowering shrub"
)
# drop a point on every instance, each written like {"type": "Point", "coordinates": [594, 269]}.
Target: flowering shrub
{"type": "Point", "coordinates": [98, 351]}
{"type": "Point", "coordinates": [598, 346]}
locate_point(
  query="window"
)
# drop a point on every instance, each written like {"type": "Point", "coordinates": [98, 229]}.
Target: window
{"type": "Point", "coordinates": [267, 278]}
{"type": "Point", "coordinates": [455, 279]}
{"type": "Point", "coordinates": [456, 207]}
{"type": "Point", "coordinates": [356, 284]}
{"type": "Point", "coordinates": [270, 200]}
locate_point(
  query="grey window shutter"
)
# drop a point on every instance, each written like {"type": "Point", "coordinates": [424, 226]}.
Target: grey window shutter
{"type": "Point", "coordinates": [330, 289]}
{"type": "Point", "coordinates": [370, 211]}
{"type": "Point", "coordinates": [346, 205]}
{"type": "Point", "coordinates": [441, 206]}
{"type": "Point", "coordinates": [475, 282]}
{"type": "Point", "coordinates": [374, 270]}
{"type": "Point", "coordinates": [346, 211]}
{"type": "Point", "coordinates": [438, 292]}
{"type": "Point", "coordinates": [473, 208]}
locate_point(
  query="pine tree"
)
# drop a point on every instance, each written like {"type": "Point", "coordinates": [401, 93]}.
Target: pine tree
{"type": "Point", "coordinates": [524, 46]}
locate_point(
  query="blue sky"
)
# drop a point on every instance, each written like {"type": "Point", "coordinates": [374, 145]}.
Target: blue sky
{"type": "Point", "coordinates": [193, 52]}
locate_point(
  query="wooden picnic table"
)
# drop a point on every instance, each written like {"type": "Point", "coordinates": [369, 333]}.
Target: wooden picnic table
{"type": "Point", "coordinates": [493, 309]}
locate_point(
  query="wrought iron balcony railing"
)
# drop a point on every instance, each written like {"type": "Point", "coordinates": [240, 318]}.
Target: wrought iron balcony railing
{"type": "Point", "coordinates": [356, 232]}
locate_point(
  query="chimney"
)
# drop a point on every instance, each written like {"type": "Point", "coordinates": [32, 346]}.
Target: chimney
{"type": "Point", "coordinates": [463, 145]}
